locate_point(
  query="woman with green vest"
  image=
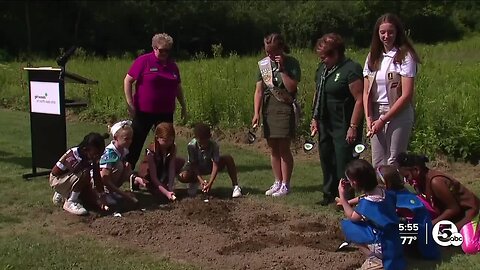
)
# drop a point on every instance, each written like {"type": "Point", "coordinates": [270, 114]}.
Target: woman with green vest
{"type": "Point", "coordinates": [275, 92]}
{"type": "Point", "coordinates": [390, 70]}
{"type": "Point", "coordinates": [337, 111]}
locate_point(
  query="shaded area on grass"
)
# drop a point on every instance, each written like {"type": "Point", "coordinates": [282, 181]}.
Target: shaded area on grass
{"type": "Point", "coordinates": [38, 249]}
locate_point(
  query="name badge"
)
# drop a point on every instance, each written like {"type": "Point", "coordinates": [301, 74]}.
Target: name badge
{"type": "Point", "coordinates": [153, 69]}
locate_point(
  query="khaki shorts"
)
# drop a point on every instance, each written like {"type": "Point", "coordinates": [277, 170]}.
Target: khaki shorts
{"type": "Point", "coordinates": [65, 183]}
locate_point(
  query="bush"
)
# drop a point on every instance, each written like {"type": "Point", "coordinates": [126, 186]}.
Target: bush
{"type": "Point", "coordinates": [219, 91]}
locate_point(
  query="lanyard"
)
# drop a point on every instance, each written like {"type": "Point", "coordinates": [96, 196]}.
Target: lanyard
{"type": "Point", "coordinates": [320, 100]}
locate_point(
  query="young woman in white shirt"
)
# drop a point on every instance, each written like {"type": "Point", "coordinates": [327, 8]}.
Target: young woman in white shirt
{"type": "Point", "coordinates": [390, 70]}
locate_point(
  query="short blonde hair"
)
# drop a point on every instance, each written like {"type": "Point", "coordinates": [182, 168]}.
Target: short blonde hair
{"type": "Point", "coordinates": [162, 38]}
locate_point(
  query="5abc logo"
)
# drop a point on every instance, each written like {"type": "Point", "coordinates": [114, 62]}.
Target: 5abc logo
{"type": "Point", "coordinates": [445, 234]}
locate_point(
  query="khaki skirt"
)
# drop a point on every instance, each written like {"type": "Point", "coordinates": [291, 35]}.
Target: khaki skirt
{"type": "Point", "coordinates": [278, 119]}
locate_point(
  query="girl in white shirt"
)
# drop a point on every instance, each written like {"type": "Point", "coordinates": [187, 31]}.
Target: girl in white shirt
{"type": "Point", "coordinates": [390, 70]}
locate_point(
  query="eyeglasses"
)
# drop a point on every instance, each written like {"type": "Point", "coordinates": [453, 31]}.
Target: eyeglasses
{"type": "Point", "coordinates": [161, 50]}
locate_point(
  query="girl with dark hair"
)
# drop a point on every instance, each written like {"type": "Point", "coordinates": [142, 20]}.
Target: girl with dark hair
{"type": "Point", "coordinates": [70, 177]}
{"type": "Point", "coordinates": [446, 196]}
{"type": "Point", "coordinates": [275, 93]}
{"type": "Point", "coordinates": [373, 224]}
{"type": "Point", "coordinates": [390, 69]}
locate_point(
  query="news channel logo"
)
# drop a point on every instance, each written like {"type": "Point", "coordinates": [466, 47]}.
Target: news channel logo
{"type": "Point", "coordinates": [444, 233]}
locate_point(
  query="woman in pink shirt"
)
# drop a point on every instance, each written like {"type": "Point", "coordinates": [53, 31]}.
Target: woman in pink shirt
{"type": "Point", "coordinates": [157, 85]}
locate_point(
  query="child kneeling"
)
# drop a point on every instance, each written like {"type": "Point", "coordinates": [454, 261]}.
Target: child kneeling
{"type": "Point", "coordinates": [204, 158]}
{"type": "Point", "coordinates": [161, 164]}
{"type": "Point", "coordinates": [374, 221]}
{"type": "Point", "coordinates": [114, 169]}
{"type": "Point", "coordinates": [71, 176]}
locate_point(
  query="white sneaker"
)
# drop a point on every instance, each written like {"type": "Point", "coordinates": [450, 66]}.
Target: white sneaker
{"type": "Point", "coordinates": [74, 208]}
{"type": "Point", "coordinates": [283, 191]}
{"type": "Point", "coordinates": [192, 189]}
{"type": "Point", "coordinates": [274, 188]}
{"type": "Point", "coordinates": [57, 199]}
{"type": "Point", "coordinates": [237, 192]}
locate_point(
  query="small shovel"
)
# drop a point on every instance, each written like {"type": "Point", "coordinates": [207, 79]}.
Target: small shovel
{"type": "Point", "coordinates": [342, 246]}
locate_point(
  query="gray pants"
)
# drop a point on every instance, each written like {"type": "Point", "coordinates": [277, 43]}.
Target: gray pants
{"type": "Point", "coordinates": [394, 137]}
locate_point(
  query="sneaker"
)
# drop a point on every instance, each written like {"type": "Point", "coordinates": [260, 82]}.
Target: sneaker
{"type": "Point", "coordinates": [372, 263]}
{"type": "Point", "coordinates": [57, 199]}
{"type": "Point", "coordinates": [192, 189]}
{"type": "Point", "coordinates": [274, 188]}
{"type": "Point", "coordinates": [74, 208]}
{"type": "Point", "coordinates": [237, 192]}
{"type": "Point", "coordinates": [283, 191]}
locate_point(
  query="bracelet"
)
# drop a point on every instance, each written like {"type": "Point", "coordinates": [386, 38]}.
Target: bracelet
{"type": "Point", "coordinates": [353, 125]}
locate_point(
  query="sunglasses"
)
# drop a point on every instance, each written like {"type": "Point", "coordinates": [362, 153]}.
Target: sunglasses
{"type": "Point", "coordinates": [161, 50]}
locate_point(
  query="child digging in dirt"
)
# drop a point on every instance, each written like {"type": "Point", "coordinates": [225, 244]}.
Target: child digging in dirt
{"type": "Point", "coordinates": [446, 197]}
{"type": "Point", "coordinates": [70, 177]}
{"type": "Point", "coordinates": [160, 164]}
{"type": "Point", "coordinates": [374, 221]}
{"type": "Point", "coordinates": [204, 158]}
{"type": "Point", "coordinates": [114, 169]}
{"type": "Point", "coordinates": [410, 210]}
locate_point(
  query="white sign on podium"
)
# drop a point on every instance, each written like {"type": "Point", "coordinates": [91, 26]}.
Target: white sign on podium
{"type": "Point", "coordinates": [45, 97]}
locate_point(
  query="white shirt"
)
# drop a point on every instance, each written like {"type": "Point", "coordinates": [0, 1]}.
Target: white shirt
{"type": "Point", "coordinates": [408, 68]}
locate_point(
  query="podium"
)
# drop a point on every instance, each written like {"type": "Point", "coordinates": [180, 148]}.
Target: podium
{"type": "Point", "coordinates": [47, 115]}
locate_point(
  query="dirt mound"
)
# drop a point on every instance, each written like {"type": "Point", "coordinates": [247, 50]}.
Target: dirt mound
{"type": "Point", "coordinates": [226, 234]}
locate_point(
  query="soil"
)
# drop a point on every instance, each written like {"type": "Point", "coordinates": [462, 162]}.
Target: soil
{"type": "Point", "coordinates": [223, 234]}
{"type": "Point", "coordinates": [232, 234]}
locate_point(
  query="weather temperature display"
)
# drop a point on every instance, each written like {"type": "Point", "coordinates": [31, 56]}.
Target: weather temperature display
{"type": "Point", "coordinates": [408, 232]}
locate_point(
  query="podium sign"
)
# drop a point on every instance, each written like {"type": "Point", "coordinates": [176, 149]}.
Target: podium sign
{"type": "Point", "coordinates": [47, 115]}
{"type": "Point", "coordinates": [45, 97]}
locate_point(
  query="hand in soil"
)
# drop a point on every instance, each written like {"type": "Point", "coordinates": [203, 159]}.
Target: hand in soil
{"type": "Point", "coordinates": [171, 196]}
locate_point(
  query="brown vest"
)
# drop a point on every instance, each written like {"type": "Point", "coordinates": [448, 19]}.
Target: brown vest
{"type": "Point", "coordinates": [162, 164]}
{"type": "Point", "coordinates": [394, 88]}
{"type": "Point", "coordinates": [464, 197]}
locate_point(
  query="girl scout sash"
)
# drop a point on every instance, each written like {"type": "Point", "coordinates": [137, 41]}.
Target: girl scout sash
{"type": "Point", "coordinates": [282, 95]}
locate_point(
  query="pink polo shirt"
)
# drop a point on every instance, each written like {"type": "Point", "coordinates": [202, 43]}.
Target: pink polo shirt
{"type": "Point", "coordinates": [156, 84]}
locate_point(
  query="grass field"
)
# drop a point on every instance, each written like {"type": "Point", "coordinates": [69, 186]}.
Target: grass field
{"type": "Point", "coordinates": [220, 91]}
{"type": "Point", "coordinates": [28, 242]}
